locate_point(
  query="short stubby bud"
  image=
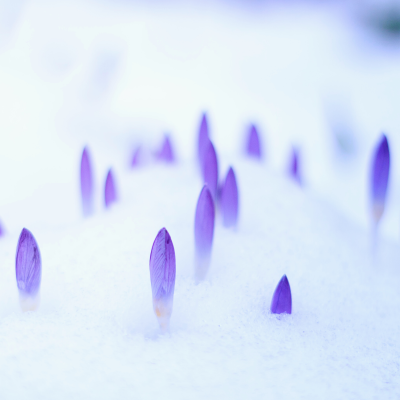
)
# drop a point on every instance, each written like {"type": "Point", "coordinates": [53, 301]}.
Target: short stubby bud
{"type": "Point", "coordinates": [380, 178]}
{"type": "Point", "coordinates": [86, 183]}
{"type": "Point", "coordinates": [203, 137]}
{"type": "Point", "coordinates": [210, 169]}
{"type": "Point", "coordinates": [282, 299]}
{"type": "Point", "coordinates": [110, 192]}
{"type": "Point", "coordinates": [294, 170]}
{"type": "Point", "coordinates": [162, 276]}
{"type": "Point", "coordinates": [253, 147]}
{"type": "Point", "coordinates": [166, 153]}
{"type": "Point", "coordinates": [28, 270]}
{"type": "Point", "coordinates": [204, 232]}
{"type": "Point", "coordinates": [229, 200]}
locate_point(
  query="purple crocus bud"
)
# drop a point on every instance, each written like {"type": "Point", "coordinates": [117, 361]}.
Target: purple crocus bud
{"type": "Point", "coordinates": [162, 276]}
{"type": "Point", "coordinates": [110, 193]}
{"type": "Point", "coordinates": [294, 170]}
{"type": "Point", "coordinates": [203, 137]}
{"type": "Point", "coordinates": [253, 143]}
{"type": "Point", "coordinates": [229, 200]}
{"type": "Point", "coordinates": [136, 157]}
{"type": "Point", "coordinates": [28, 270]}
{"type": "Point", "coordinates": [86, 183]}
{"type": "Point", "coordinates": [2, 232]}
{"type": "Point", "coordinates": [204, 232]}
{"type": "Point", "coordinates": [166, 154]}
{"type": "Point", "coordinates": [379, 178]}
{"type": "Point", "coordinates": [210, 169]}
{"type": "Point", "coordinates": [282, 299]}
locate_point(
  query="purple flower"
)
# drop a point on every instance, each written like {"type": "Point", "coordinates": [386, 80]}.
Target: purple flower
{"type": "Point", "coordinates": [162, 276]}
{"type": "Point", "coordinates": [210, 169]}
{"type": "Point", "coordinates": [136, 157]}
{"type": "Point", "coordinates": [253, 143]}
{"type": "Point", "coordinates": [2, 232]}
{"type": "Point", "coordinates": [86, 183]}
{"type": "Point", "coordinates": [204, 231]}
{"type": "Point", "coordinates": [380, 177]}
{"type": "Point", "coordinates": [282, 299]}
{"type": "Point", "coordinates": [203, 137]}
{"type": "Point", "coordinates": [110, 193]}
{"type": "Point", "coordinates": [294, 171]}
{"type": "Point", "coordinates": [166, 154]}
{"type": "Point", "coordinates": [229, 200]}
{"type": "Point", "coordinates": [28, 268]}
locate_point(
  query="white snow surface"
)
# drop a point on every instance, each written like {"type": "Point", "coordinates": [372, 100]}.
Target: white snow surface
{"type": "Point", "coordinates": [116, 75]}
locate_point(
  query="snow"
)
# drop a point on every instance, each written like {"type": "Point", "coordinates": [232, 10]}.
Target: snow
{"type": "Point", "coordinates": [95, 334]}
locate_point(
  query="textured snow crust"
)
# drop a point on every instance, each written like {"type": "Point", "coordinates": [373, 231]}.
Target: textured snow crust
{"type": "Point", "coordinates": [95, 334]}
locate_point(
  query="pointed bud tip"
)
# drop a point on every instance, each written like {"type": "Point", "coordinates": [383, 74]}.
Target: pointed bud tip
{"type": "Point", "coordinates": [28, 264]}
{"type": "Point", "coordinates": [380, 177]}
{"type": "Point", "coordinates": [110, 193]}
{"type": "Point", "coordinates": [204, 223]}
{"type": "Point", "coordinates": [282, 298]}
{"type": "Point", "coordinates": [253, 147]}
{"type": "Point", "coordinates": [229, 200]}
{"type": "Point", "coordinates": [210, 168]}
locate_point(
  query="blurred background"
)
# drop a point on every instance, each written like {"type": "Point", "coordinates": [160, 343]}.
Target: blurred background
{"type": "Point", "coordinates": [321, 75]}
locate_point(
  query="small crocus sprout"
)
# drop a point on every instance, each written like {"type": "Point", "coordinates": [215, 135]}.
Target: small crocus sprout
{"type": "Point", "coordinates": [162, 277]}
{"type": "Point", "coordinates": [253, 143]}
{"type": "Point", "coordinates": [110, 193]}
{"type": "Point", "coordinates": [203, 137]}
{"type": "Point", "coordinates": [204, 232]}
{"type": "Point", "coordinates": [2, 232]}
{"type": "Point", "coordinates": [166, 153]}
{"type": "Point", "coordinates": [86, 183]}
{"type": "Point", "coordinates": [229, 200]}
{"type": "Point", "coordinates": [282, 299]}
{"type": "Point", "coordinates": [210, 169]}
{"type": "Point", "coordinates": [379, 178]}
{"type": "Point", "coordinates": [294, 170]}
{"type": "Point", "coordinates": [28, 270]}
{"type": "Point", "coordinates": [136, 157]}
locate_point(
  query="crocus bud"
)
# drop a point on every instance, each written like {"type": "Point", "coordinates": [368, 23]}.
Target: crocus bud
{"type": "Point", "coordinates": [282, 299]}
{"type": "Point", "coordinates": [2, 232]}
{"type": "Point", "coordinates": [210, 169]}
{"type": "Point", "coordinates": [294, 170]}
{"type": "Point", "coordinates": [28, 270]}
{"type": "Point", "coordinates": [229, 200]}
{"type": "Point", "coordinates": [135, 161]}
{"type": "Point", "coordinates": [86, 183]}
{"type": "Point", "coordinates": [253, 143]}
{"type": "Point", "coordinates": [379, 178]}
{"type": "Point", "coordinates": [162, 276]}
{"type": "Point", "coordinates": [204, 232]}
{"type": "Point", "coordinates": [203, 137]}
{"type": "Point", "coordinates": [166, 154]}
{"type": "Point", "coordinates": [110, 193]}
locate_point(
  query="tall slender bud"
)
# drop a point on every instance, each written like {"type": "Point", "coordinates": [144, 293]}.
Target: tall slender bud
{"type": "Point", "coordinates": [110, 192]}
{"type": "Point", "coordinates": [229, 200]}
{"type": "Point", "coordinates": [86, 183]}
{"type": "Point", "coordinates": [204, 232]}
{"type": "Point", "coordinates": [210, 169]}
{"type": "Point", "coordinates": [294, 169]}
{"type": "Point", "coordinates": [28, 270]}
{"type": "Point", "coordinates": [162, 276]}
{"type": "Point", "coordinates": [203, 137]}
{"type": "Point", "coordinates": [380, 178]}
